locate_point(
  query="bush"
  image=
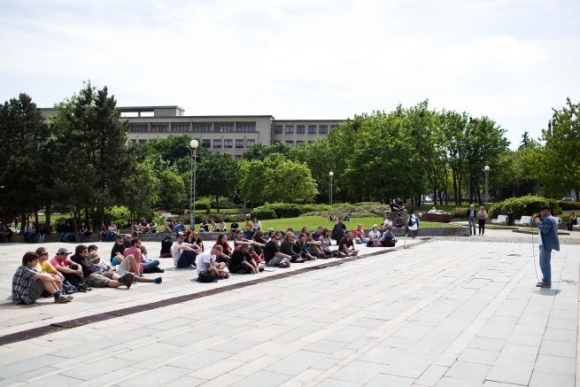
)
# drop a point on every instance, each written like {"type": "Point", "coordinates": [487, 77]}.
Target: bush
{"type": "Point", "coordinates": [202, 204]}
{"type": "Point", "coordinates": [524, 206]}
{"type": "Point", "coordinates": [119, 214]}
{"type": "Point", "coordinates": [263, 213]}
{"type": "Point", "coordinates": [569, 206]}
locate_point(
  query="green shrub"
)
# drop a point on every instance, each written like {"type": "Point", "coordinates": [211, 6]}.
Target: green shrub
{"type": "Point", "coordinates": [524, 206]}
{"type": "Point", "coordinates": [202, 204]}
{"type": "Point", "coordinates": [569, 206]}
{"type": "Point", "coordinates": [119, 214]}
{"type": "Point", "coordinates": [263, 213]}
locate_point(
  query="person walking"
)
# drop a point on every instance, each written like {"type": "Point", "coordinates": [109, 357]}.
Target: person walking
{"type": "Point", "coordinates": [548, 230]}
{"type": "Point", "coordinates": [470, 214]}
{"type": "Point", "coordinates": [481, 218]}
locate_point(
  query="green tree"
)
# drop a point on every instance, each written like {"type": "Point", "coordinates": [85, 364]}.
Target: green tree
{"type": "Point", "coordinates": [171, 189]}
{"type": "Point", "coordinates": [217, 175]}
{"type": "Point", "coordinates": [23, 137]}
{"type": "Point", "coordinates": [90, 140]}
{"type": "Point", "coordinates": [261, 151]}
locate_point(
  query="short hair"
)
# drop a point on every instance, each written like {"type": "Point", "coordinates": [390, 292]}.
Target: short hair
{"type": "Point", "coordinates": [93, 248]}
{"type": "Point", "coordinates": [80, 248]}
{"type": "Point", "coordinates": [134, 241]}
{"type": "Point", "coordinates": [40, 251]}
{"type": "Point", "coordinates": [29, 257]}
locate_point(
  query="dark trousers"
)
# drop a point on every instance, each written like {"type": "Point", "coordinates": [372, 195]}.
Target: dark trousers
{"type": "Point", "coordinates": [481, 226]}
{"type": "Point", "coordinates": [186, 259]}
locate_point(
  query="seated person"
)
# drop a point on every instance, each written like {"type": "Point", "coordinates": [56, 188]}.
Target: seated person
{"type": "Point", "coordinates": [149, 265]}
{"type": "Point", "coordinates": [359, 235]}
{"type": "Point", "coordinates": [573, 220]}
{"type": "Point", "coordinates": [152, 227]}
{"type": "Point", "coordinates": [44, 266]}
{"type": "Point", "coordinates": [234, 228]}
{"type": "Point", "coordinates": [166, 247]}
{"type": "Point", "coordinates": [272, 254]}
{"type": "Point", "coordinates": [212, 226]}
{"type": "Point", "coordinates": [144, 226]}
{"type": "Point", "coordinates": [258, 244]}
{"type": "Point", "coordinates": [204, 226]}
{"type": "Point", "coordinates": [207, 267]}
{"type": "Point", "coordinates": [117, 251]}
{"type": "Point", "coordinates": [326, 242]}
{"type": "Point", "coordinates": [346, 245]}
{"type": "Point", "coordinates": [388, 239]}
{"type": "Point", "coordinates": [399, 222]}
{"type": "Point", "coordinates": [179, 227]}
{"type": "Point", "coordinates": [184, 254]}
{"type": "Point", "coordinates": [397, 205]}
{"type": "Point", "coordinates": [287, 247]}
{"type": "Point", "coordinates": [71, 271]}
{"type": "Point", "coordinates": [222, 227]}
{"type": "Point", "coordinates": [29, 233]}
{"type": "Point", "coordinates": [242, 262]}
{"type": "Point", "coordinates": [305, 247]}
{"type": "Point", "coordinates": [226, 251]}
{"type": "Point", "coordinates": [111, 232]}
{"type": "Point", "coordinates": [84, 232]}
{"type": "Point", "coordinates": [28, 285]}
{"type": "Point", "coordinates": [374, 237]}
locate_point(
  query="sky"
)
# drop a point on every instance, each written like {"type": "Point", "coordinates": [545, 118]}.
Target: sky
{"type": "Point", "coordinates": [511, 60]}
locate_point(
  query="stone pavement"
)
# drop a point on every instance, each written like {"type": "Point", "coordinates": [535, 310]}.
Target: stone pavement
{"type": "Point", "coordinates": [439, 313]}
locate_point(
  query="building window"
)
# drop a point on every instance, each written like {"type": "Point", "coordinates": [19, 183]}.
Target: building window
{"type": "Point", "coordinates": [240, 143]}
{"type": "Point", "coordinates": [142, 141]}
{"type": "Point", "coordinates": [277, 129]}
{"type": "Point", "coordinates": [289, 128]}
{"type": "Point", "coordinates": [300, 129]}
{"type": "Point", "coordinates": [159, 128]}
{"type": "Point", "coordinates": [245, 127]}
{"type": "Point", "coordinates": [323, 129]}
{"type": "Point", "coordinates": [311, 129]}
{"type": "Point", "coordinates": [250, 143]}
{"type": "Point", "coordinates": [206, 143]}
{"type": "Point", "coordinates": [238, 157]}
{"type": "Point", "coordinates": [332, 127]}
{"type": "Point", "coordinates": [217, 143]}
{"type": "Point", "coordinates": [201, 127]}
{"type": "Point", "coordinates": [291, 143]}
{"type": "Point", "coordinates": [299, 143]}
{"type": "Point", "coordinates": [223, 127]}
{"type": "Point", "coordinates": [180, 128]}
{"type": "Point", "coordinates": [228, 143]}
{"type": "Point", "coordinates": [135, 128]}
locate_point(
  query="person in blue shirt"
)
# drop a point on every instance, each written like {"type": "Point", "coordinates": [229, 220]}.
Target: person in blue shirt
{"type": "Point", "coordinates": [548, 230]}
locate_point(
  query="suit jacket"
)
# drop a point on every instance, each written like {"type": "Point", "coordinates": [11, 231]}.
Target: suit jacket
{"type": "Point", "coordinates": [549, 233]}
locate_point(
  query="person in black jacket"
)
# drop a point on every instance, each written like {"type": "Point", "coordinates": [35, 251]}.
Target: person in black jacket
{"type": "Point", "coordinates": [338, 230]}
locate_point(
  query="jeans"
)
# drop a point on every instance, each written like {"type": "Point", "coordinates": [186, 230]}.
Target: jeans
{"type": "Point", "coordinates": [186, 259]}
{"type": "Point", "coordinates": [151, 265]}
{"type": "Point", "coordinates": [471, 226]}
{"type": "Point", "coordinates": [545, 264]}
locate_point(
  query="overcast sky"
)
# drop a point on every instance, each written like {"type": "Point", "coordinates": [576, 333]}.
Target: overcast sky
{"type": "Point", "coordinates": [511, 60]}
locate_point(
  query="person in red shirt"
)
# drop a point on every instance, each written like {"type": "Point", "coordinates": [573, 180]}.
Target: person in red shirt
{"type": "Point", "coordinates": [135, 254]}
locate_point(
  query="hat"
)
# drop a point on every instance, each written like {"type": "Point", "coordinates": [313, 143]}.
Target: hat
{"type": "Point", "coordinates": [62, 250]}
{"type": "Point", "coordinates": [374, 225]}
{"type": "Point", "coordinates": [546, 207]}
{"type": "Point", "coordinates": [271, 229]}
{"type": "Point", "coordinates": [248, 216]}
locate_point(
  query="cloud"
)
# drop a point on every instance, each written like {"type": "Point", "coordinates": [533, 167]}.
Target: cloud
{"type": "Point", "coordinates": [510, 60]}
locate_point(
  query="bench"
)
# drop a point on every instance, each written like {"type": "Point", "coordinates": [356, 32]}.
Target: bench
{"type": "Point", "coordinates": [501, 219]}
{"type": "Point", "coordinates": [524, 221]}
{"type": "Point", "coordinates": [558, 219]}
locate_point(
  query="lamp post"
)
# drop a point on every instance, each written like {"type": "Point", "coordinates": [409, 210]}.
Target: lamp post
{"type": "Point", "coordinates": [486, 169]}
{"type": "Point", "coordinates": [193, 144]}
{"type": "Point", "coordinates": [330, 174]}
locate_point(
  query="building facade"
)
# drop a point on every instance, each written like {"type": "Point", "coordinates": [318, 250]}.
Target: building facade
{"type": "Point", "coordinates": [225, 134]}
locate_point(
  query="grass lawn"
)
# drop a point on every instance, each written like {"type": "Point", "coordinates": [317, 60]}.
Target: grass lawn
{"type": "Point", "coordinates": [314, 221]}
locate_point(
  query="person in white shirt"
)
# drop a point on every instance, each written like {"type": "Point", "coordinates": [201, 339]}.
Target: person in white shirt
{"type": "Point", "coordinates": [374, 237]}
{"type": "Point", "coordinates": [206, 265]}
{"type": "Point", "coordinates": [184, 254]}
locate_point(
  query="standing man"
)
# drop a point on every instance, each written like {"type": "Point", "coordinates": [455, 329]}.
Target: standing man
{"type": "Point", "coordinates": [549, 241]}
{"type": "Point", "coordinates": [470, 214]}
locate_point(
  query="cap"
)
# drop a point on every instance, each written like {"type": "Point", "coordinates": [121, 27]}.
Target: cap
{"type": "Point", "coordinates": [270, 229]}
{"type": "Point", "coordinates": [180, 234]}
{"type": "Point", "coordinates": [374, 225]}
{"type": "Point", "coordinates": [62, 250]}
{"type": "Point", "coordinates": [545, 208]}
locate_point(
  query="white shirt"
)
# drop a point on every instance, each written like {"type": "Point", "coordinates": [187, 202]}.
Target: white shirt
{"type": "Point", "coordinates": [374, 235]}
{"type": "Point", "coordinates": [204, 261]}
{"type": "Point", "coordinates": [175, 252]}
{"type": "Point", "coordinates": [414, 226]}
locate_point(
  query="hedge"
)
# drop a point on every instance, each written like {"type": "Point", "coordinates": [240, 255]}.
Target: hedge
{"type": "Point", "coordinates": [524, 206]}
{"type": "Point", "coordinates": [569, 206]}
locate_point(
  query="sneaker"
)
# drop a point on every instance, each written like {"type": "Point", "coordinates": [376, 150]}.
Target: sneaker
{"type": "Point", "coordinates": [63, 299]}
{"type": "Point", "coordinates": [82, 289]}
{"type": "Point", "coordinates": [126, 280]}
{"type": "Point", "coordinates": [158, 280]}
{"type": "Point", "coordinates": [159, 270]}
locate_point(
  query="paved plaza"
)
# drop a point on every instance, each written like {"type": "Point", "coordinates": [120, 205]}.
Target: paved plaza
{"type": "Point", "coordinates": [460, 311]}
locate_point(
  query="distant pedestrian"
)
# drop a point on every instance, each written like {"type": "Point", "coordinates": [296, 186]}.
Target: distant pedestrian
{"type": "Point", "coordinates": [470, 214]}
{"type": "Point", "coordinates": [481, 218]}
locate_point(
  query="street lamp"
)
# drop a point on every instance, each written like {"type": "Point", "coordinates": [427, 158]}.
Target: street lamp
{"type": "Point", "coordinates": [486, 169]}
{"type": "Point", "coordinates": [330, 174]}
{"type": "Point", "coordinates": [193, 144]}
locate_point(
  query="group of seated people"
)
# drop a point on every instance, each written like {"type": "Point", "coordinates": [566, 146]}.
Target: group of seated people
{"type": "Point", "coordinates": [144, 227]}
{"type": "Point", "coordinates": [60, 276]}
{"type": "Point", "coordinates": [274, 248]}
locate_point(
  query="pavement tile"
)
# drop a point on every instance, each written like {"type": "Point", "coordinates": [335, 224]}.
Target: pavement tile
{"type": "Point", "coordinates": [507, 370]}
{"type": "Point", "coordinates": [382, 380]}
{"type": "Point", "coordinates": [155, 377]}
{"type": "Point", "coordinates": [432, 375]}
{"type": "Point", "coordinates": [358, 372]}
{"type": "Point", "coordinates": [101, 367]}
{"type": "Point", "coordinates": [543, 379]}
{"type": "Point", "coordinates": [263, 379]}
{"type": "Point", "coordinates": [198, 360]}
{"type": "Point", "coordinates": [296, 362]}
{"type": "Point", "coordinates": [555, 364]}
{"type": "Point", "coordinates": [471, 372]}
{"type": "Point", "coordinates": [447, 381]}
{"type": "Point", "coordinates": [479, 356]}
{"type": "Point", "coordinates": [558, 348]}
{"type": "Point", "coordinates": [338, 383]}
